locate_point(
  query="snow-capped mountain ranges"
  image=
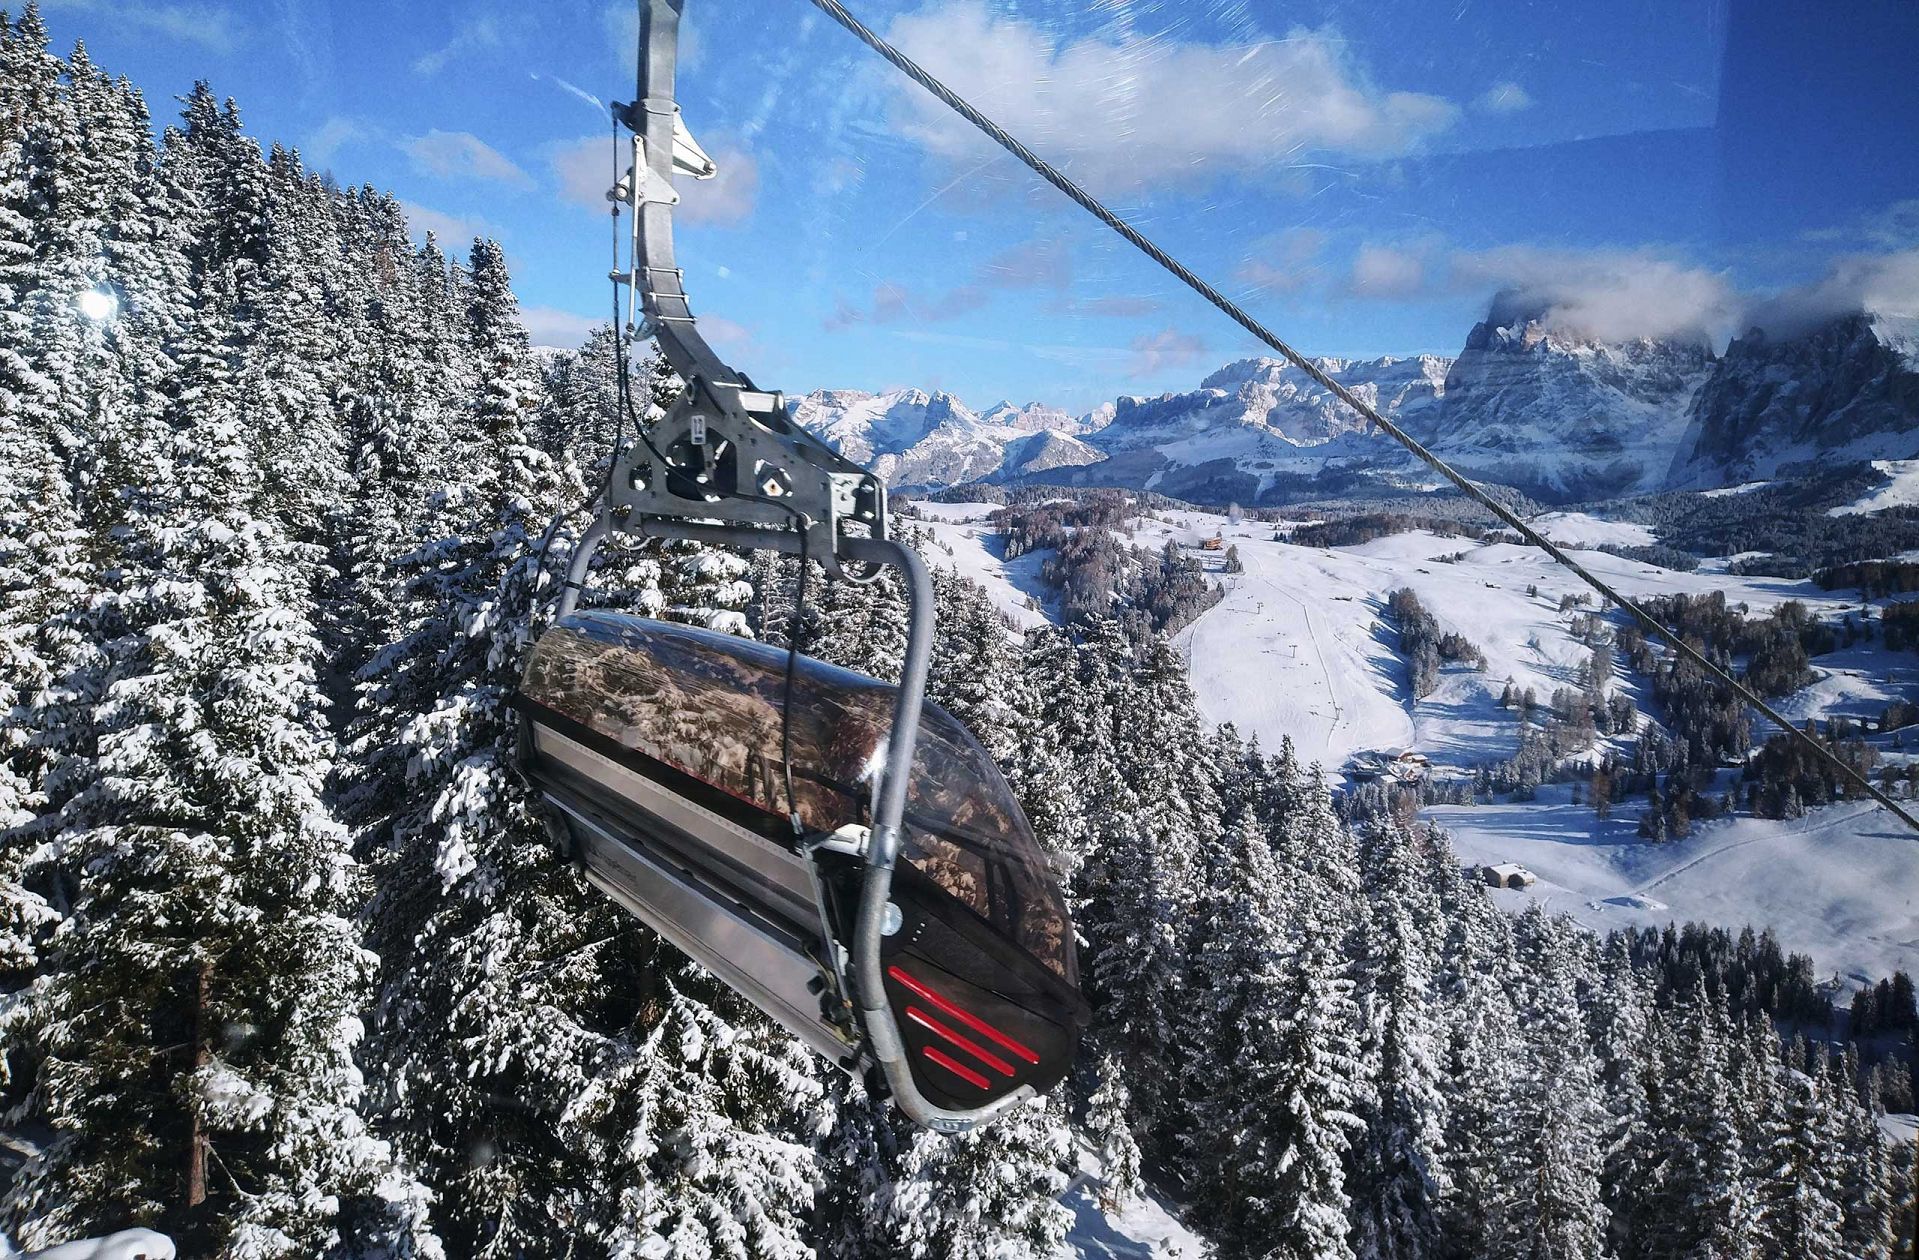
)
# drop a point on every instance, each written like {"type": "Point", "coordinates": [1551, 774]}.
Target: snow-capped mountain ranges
{"type": "Point", "coordinates": [1559, 416]}
{"type": "Point", "coordinates": [916, 439]}
{"type": "Point", "coordinates": [1256, 415]}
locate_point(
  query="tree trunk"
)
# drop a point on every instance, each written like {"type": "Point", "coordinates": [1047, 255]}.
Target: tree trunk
{"type": "Point", "coordinates": [196, 1135]}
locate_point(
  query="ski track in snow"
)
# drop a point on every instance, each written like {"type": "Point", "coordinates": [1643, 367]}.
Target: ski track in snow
{"type": "Point", "coordinates": [1299, 647]}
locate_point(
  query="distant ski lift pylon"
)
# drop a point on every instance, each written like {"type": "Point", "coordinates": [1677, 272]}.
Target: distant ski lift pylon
{"type": "Point", "coordinates": [838, 851]}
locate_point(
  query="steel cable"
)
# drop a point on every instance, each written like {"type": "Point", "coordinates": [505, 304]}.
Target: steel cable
{"type": "Point", "coordinates": [1058, 179]}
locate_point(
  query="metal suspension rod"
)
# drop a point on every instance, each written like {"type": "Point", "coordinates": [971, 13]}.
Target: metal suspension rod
{"type": "Point", "coordinates": [1232, 310]}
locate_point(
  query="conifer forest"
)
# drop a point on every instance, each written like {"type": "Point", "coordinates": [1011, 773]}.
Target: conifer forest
{"type": "Point", "coordinates": [290, 967]}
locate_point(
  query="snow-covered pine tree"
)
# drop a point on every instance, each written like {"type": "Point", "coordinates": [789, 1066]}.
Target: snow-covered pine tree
{"type": "Point", "coordinates": [1627, 1043]}
{"type": "Point", "coordinates": [1233, 994]}
{"type": "Point", "coordinates": [1152, 798]}
{"type": "Point", "coordinates": [194, 1023]}
{"type": "Point", "coordinates": [476, 919]}
{"type": "Point", "coordinates": [53, 366]}
{"type": "Point", "coordinates": [1109, 1127]}
{"type": "Point", "coordinates": [1042, 765]}
{"type": "Point", "coordinates": [669, 1169]}
{"type": "Point", "coordinates": [1400, 1182]}
{"type": "Point", "coordinates": [1800, 1213]}
{"type": "Point", "coordinates": [583, 409]}
{"type": "Point", "coordinates": [1550, 1134]}
{"type": "Point", "coordinates": [392, 431]}
{"type": "Point", "coordinates": [1290, 1086]}
{"type": "Point", "coordinates": [975, 672]}
{"type": "Point", "coordinates": [292, 377]}
{"type": "Point", "coordinates": [1702, 1201]}
{"type": "Point", "coordinates": [1864, 1162]}
{"type": "Point", "coordinates": [1482, 1076]}
{"type": "Point", "coordinates": [39, 578]}
{"type": "Point", "coordinates": [993, 1191]}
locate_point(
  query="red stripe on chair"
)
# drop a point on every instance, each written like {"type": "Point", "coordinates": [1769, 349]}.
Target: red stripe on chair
{"type": "Point", "coordinates": [967, 1044]}
{"type": "Point", "coordinates": [964, 1016]}
{"type": "Point", "coordinates": [956, 1068]}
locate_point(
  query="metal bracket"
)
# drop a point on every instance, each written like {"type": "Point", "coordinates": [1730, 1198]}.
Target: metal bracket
{"type": "Point", "coordinates": [725, 451]}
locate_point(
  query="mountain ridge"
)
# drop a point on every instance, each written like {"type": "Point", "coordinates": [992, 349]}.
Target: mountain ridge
{"type": "Point", "coordinates": [1548, 411]}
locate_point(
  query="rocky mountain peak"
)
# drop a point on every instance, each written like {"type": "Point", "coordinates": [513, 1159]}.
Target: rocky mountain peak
{"type": "Point", "coordinates": [1845, 388]}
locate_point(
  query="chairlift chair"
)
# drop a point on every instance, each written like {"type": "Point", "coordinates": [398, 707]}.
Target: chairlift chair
{"type": "Point", "coordinates": [663, 752]}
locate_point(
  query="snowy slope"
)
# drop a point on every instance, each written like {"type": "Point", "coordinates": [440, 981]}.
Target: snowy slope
{"type": "Point", "coordinates": [963, 543]}
{"type": "Point", "coordinates": [1146, 1230]}
{"type": "Point", "coordinates": [1841, 884]}
{"type": "Point", "coordinates": [1299, 648]}
{"type": "Point", "coordinates": [1901, 491]}
{"type": "Point", "coordinates": [1581, 529]}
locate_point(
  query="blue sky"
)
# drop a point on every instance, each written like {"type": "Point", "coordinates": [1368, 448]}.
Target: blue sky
{"type": "Point", "coordinates": [1363, 176]}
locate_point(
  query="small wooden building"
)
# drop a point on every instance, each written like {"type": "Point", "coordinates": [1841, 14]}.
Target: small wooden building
{"type": "Point", "coordinates": [1507, 875]}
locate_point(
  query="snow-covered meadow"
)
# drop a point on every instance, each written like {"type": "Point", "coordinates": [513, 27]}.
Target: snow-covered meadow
{"type": "Point", "coordinates": [1299, 648]}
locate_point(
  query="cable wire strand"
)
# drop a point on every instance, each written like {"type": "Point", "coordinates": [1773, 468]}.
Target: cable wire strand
{"type": "Point", "coordinates": [1232, 310]}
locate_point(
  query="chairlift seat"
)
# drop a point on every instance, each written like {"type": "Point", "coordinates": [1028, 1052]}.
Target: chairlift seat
{"type": "Point", "coordinates": [660, 746]}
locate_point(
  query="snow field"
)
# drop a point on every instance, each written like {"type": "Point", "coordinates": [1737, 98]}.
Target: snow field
{"type": "Point", "coordinates": [1299, 647]}
{"type": "Point", "coordinates": [1903, 491]}
{"type": "Point", "coordinates": [1841, 884]}
{"type": "Point", "coordinates": [964, 543]}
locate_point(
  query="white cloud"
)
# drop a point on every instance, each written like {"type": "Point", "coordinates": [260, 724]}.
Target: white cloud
{"type": "Point", "coordinates": [461, 154]}
{"type": "Point", "coordinates": [1611, 295]}
{"type": "Point", "coordinates": [476, 34]}
{"type": "Point", "coordinates": [1503, 98]}
{"type": "Point", "coordinates": [893, 303]}
{"type": "Point", "coordinates": [1283, 263]}
{"type": "Point", "coordinates": [453, 231]}
{"type": "Point", "coordinates": [1127, 113]}
{"type": "Point", "coordinates": [1040, 263]}
{"type": "Point", "coordinates": [1385, 272]}
{"type": "Point", "coordinates": [727, 336]}
{"type": "Point", "coordinates": [1883, 284]}
{"type": "Point", "coordinates": [1622, 294]}
{"type": "Point", "coordinates": [211, 26]}
{"type": "Point", "coordinates": [584, 168]}
{"type": "Point", "coordinates": [330, 136]}
{"type": "Point", "coordinates": [558, 329]}
{"type": "Point", "coordinates": [1896, 227]}
{"type": "Point", "coordinates": [1166, 349]}
{"type": "Point", "coordinates": [1119, 306]}
{"type": "Point", "coordinates": [726, 199]}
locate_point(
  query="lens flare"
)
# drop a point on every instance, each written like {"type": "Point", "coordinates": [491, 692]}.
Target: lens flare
{"type": "Point", "coordinates": [97, 304]}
